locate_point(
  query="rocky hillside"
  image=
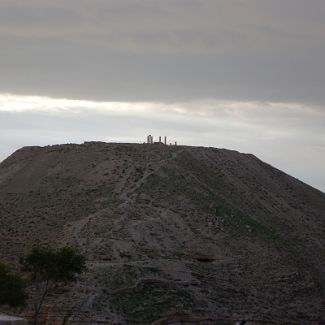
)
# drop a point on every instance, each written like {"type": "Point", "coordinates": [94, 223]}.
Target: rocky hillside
{"type": "Point", "coordinates": [172, 234]}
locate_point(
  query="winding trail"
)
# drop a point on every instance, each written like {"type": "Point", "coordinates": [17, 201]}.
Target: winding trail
{"type": "Point", "coordinates": [125, 197]}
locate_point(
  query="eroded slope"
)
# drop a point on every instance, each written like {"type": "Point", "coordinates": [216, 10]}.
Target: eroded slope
{"type": "Point", "coordinates": [179, 233]}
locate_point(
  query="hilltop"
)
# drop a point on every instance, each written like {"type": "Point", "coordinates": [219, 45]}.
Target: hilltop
{"type": "Point", "coordinates": [171, 233]}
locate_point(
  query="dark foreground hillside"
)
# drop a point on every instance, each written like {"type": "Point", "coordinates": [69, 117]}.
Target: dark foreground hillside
{"type": "Point", "coordinates": [175, 234]}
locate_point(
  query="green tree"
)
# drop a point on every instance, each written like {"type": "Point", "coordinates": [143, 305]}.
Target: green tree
{"type": "Point", "coordinates": [50, 268]}
{"type": "Point", "coordinates": [12, 288]}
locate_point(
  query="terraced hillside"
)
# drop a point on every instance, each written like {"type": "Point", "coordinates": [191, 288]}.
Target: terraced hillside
{"type": "Point", "coordinates": [172, 234]}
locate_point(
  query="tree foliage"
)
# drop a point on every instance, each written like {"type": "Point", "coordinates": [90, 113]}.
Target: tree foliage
{"type": "Point", "coordinates": [12, 288]}
{"type": "Point", "coordinates": [55, 265]}
{"type": "Point", "coordinates": [49, 268]}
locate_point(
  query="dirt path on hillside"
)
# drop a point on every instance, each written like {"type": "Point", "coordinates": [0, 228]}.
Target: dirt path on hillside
{"type": "Point", "coordinates": [125, 196]}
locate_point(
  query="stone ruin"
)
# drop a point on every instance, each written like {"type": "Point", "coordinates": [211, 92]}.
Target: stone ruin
{"type": "Point", "coordinates": [150, 140]}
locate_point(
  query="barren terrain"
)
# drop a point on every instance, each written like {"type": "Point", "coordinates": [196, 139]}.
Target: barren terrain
{"type": "Point", "coordinates": [172, 234]}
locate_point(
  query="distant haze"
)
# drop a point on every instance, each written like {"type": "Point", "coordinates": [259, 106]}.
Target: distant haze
{"type": "Point", "coordinates": [245, 75]}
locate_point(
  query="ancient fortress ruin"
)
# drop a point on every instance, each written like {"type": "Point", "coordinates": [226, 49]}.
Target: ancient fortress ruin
{"type": "Point", "coordinates": [150, 140]}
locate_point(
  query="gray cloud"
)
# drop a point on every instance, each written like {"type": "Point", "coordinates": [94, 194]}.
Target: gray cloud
{"type": "Point", "coordinates": [164, 50]}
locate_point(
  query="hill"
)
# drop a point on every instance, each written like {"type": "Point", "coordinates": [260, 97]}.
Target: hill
{"type": "Point", "coordinates": [171, 233]}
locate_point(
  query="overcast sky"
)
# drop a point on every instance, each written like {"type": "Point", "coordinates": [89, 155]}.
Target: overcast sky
{"type": "Point", "coordinates": [247, 75]}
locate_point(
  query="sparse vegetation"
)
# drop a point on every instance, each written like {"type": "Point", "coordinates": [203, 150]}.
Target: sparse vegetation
{"type": "Point", "coordinates": [49, 268]}
{"type": "Point", "coordinates": [12, 288]}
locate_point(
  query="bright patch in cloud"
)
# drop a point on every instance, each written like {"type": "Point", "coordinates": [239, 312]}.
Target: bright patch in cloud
{"type": "Point", "coordinates": [204, 108]}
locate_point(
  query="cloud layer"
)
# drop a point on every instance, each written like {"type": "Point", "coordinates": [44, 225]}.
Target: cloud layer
{"type": "Point", "coordinates": [173, 50]}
